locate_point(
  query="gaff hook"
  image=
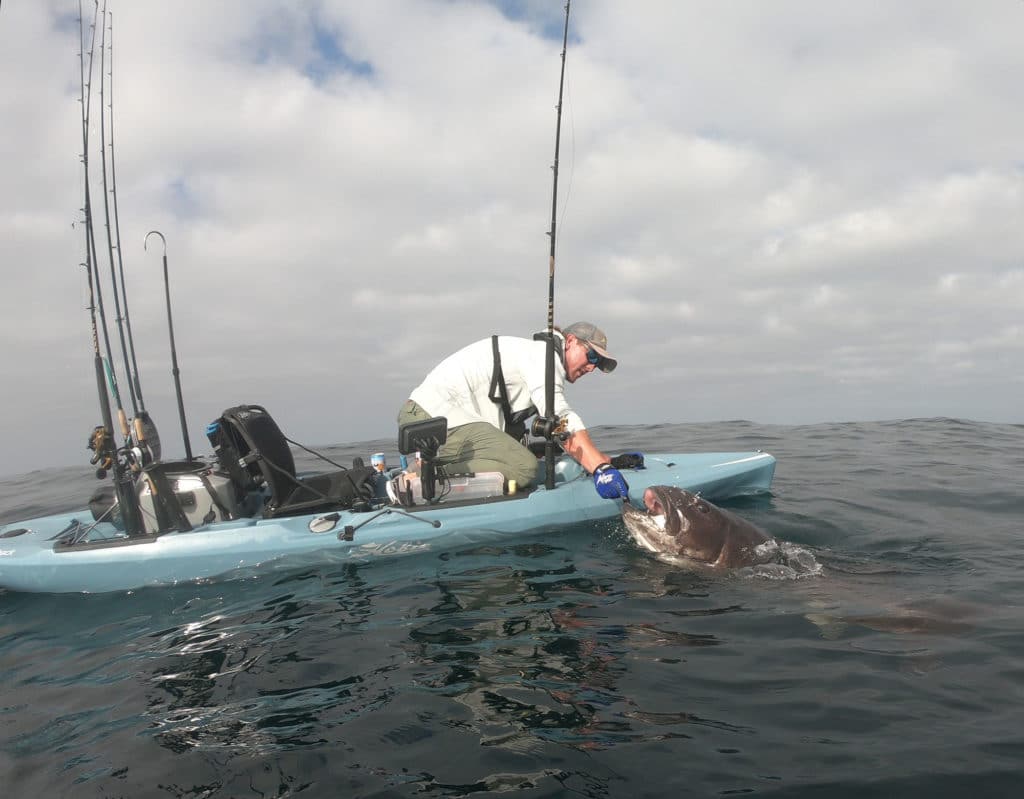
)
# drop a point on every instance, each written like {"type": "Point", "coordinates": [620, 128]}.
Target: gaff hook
{"type": "Point", "coordinates": [174, 351]}
{"type": "Point", "coordinates": [145, 241]}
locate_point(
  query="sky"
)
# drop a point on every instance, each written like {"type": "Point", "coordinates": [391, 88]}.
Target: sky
{"type": "Point", "coordinates": [790, 212]}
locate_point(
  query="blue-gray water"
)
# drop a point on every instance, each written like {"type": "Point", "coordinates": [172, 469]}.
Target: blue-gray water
{"type": "Point", "coordinates": [568, 664]}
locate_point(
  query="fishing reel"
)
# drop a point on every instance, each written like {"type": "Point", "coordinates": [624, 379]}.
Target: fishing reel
{"type": "Point", "coordinates": [137, 457]}
{"type": "Point", "coordinates": [553, 429]}
{"type": "Point", "coordinates": [101, 442]}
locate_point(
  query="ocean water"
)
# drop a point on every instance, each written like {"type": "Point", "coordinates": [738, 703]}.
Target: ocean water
{"type": "Point", "coordinates": [568, 664]}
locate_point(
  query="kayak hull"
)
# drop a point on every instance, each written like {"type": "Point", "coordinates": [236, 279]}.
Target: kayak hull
{"type": "Point", "coordinates": [32, 560]}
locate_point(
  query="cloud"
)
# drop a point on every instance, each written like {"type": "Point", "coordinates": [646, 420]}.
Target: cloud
{"type": "Point", "coordinates": [786, 212]}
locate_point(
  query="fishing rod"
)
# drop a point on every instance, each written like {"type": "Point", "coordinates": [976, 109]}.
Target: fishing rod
{"type": "Point", "coordinates": [143, 428]}
{"type": "Point", "coordinates": [106, 211]}
{"type": "Point", "coordinates": [106, 455]}
{"type": "Point", "coordinates": [92, 260]}
{"type": "Point", "coordinates": [550, 422]}
{"type": "Point", "coordinates": [174, 351]}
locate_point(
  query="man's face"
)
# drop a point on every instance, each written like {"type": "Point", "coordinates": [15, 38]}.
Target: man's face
{"type": "Point", "coordinates": [576, 363]}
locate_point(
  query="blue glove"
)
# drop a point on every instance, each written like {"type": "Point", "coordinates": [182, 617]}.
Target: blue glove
{"type": "Point", "coordinates": [609, 482]}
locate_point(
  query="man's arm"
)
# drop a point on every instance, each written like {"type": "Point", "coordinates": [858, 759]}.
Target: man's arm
{"type": "Point", "coordinates": [583, 449]}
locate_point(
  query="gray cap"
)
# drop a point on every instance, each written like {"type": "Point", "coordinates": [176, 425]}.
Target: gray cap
{"type": "Point", "coordinates": [594, 337]}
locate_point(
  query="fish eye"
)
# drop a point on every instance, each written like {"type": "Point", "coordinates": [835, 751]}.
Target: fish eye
{"type": "Point", "coordinates": [703, 508]}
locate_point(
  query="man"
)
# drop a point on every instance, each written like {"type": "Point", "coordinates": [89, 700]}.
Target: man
{"type": "Point", "coordinates": [488, 388]}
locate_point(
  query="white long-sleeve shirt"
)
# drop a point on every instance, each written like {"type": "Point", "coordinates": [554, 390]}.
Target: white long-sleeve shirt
{"type": "Point", "coordinates": [458, 387]}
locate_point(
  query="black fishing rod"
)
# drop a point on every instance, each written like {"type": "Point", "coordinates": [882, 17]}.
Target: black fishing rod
{"type": "Point", "coordinates": [106, 455]}
{"type": "Point", "coordinates": [119, 319]}
{"type": "Point", "coordinates": [103, 457]}
{"type": "Point", "coordinates": [550, 422]}
{"type": "Point", "coordinates": [92, 260]}
{"type": "Point", "coordinates": [144, 430]}
{"type": "Point", "coordinates": [174, 351]}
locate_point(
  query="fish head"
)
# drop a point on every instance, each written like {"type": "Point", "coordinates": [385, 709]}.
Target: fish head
{"type": "Point", "coordinates": [657, 527]}
{"type": "Point", "coordinates": [675, 522]}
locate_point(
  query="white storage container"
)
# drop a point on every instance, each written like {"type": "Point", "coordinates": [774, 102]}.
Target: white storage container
{"type": "Point", "coordinates": [193, 495]}
{"type": "Point", "coordinates": [406, 489]}
{"type": "Point", "coordinates": [477, 486]}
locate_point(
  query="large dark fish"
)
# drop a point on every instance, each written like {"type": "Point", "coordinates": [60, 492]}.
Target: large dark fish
{"type": "Point", "coordinates": [680, 524]}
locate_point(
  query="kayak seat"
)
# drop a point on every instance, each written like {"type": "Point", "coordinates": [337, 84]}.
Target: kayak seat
{"type": "Point", "coordinates": [254, 453]}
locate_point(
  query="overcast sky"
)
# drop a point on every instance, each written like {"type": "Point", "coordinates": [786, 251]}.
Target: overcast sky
{"type": "Point", "coordinates": [786, 211]}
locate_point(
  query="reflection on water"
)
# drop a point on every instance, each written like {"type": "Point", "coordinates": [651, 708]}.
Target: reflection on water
{"type": "Point", "coordinates": [239, 679]}
{"type": "Point", "coordinates": [549, 669]}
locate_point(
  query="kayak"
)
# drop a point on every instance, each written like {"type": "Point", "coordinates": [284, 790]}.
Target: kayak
{"type": "Point", "coordinates": [73, 552]}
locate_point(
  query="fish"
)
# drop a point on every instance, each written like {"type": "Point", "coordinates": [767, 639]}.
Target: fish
{"type": "Point", "coordinates": [677, 524]}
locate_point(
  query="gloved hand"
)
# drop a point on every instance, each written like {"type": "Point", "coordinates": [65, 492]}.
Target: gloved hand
{"type": "Point", "coordinates": [629, 460]}
{"type": "Point", "coordinates": [609, 482]}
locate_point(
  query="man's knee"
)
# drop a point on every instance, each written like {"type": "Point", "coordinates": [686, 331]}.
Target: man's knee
{"type": "Point", "coordinates": [523, 468]}
{"type": "Point", "coordinates": [411, 412]}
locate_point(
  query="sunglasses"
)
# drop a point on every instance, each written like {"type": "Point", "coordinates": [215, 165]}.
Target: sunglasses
{"type": "Point", "coordinates": [593, 357]}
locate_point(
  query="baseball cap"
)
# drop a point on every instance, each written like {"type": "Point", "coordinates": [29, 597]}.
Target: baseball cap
{"type": "Point", "coordinates": [595, 338]}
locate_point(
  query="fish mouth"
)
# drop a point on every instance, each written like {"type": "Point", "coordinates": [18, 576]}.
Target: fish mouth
{"type": "Point", "coordinates": [672, 513]}
{"type": "Point", "coordinates": [660, 507]}
{"type": "Point", "coordinates": [660, 501]}
{"type": "Point", "coordinates": [653, 504]}
{"type": "Point", "coordinates": [648, 529]}
{"type": "Point", "coordinates": [654, 513]}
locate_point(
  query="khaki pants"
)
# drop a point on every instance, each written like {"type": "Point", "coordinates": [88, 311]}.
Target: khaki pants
{"type": "Point", "coordinates": [479, 447]}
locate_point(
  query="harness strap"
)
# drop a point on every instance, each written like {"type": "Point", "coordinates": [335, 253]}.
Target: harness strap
{"type": "Point", "coordinates": [498, 392]}
{"type": "Point", "coordinates": [515, 423]}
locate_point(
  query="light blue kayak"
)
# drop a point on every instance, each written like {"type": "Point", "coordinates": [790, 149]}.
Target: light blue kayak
{"type": "Point", "coordinates": [70, 552]}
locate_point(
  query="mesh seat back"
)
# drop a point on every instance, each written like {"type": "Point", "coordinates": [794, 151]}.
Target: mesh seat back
{"type": "Point", "coordinates": [253, 450]}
